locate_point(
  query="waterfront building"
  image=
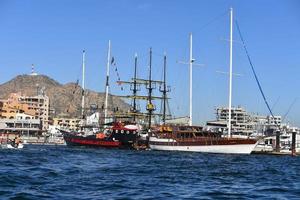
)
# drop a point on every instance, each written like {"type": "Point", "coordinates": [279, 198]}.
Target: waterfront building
{"type": "Point", "coordinates": [12, 106]}
{"type": "Point", "coordinates": [40, 105]}
{"type": "Point", "coordinates": [276, 120]}
{"type": "Point", "coordinates": [243, 122]}
{"type": "Point", "coordinates": [21, 126]}
{"type": "Point", "coordinates": [67, 123]}
{"type": "Point", "coordinates": [36, 107]}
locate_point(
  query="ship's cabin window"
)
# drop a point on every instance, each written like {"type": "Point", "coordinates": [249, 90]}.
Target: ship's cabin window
{"type": "Point", "coordinates": [266, 142]}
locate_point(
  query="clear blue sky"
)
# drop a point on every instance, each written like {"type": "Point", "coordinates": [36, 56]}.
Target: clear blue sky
{"type": "Point", "coordinates": [52, 35]}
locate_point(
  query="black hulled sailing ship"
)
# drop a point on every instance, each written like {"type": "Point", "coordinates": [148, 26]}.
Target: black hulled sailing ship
{"type": "Point", "coordinates": [113, 134]}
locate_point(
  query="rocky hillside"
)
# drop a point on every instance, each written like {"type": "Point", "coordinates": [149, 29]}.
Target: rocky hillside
{"type": "Point", "coordinates": [65, 100]}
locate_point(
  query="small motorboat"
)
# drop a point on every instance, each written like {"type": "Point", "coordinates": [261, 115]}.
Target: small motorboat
{"type": "Point", "coordinates": [7, 143]}
{"type": "Point", "coordinates": [12, 146]}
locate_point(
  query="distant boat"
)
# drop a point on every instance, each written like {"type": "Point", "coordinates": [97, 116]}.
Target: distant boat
{"type": "Point", "coordinates": [195, 138]}
{"type": "Point", "coordinates": [7, 143]}
{"type": "Point", "coordinates": [11, 146]}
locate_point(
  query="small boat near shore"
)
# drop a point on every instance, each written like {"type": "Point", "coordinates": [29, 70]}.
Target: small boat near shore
{"type": "Point", "coordinates": [6, 141]}
{"type": "Point", "coordinates": [11, 146]}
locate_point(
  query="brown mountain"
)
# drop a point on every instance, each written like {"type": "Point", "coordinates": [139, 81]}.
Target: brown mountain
{"type": "Point", "coordinates": [65, 99]}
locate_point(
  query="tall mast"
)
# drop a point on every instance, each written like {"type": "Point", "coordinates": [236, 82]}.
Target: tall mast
{"type": "Point", "coordinates": [230, 74]}
{"type": "Point", "coordinates": [190, 63]}
{"type": "Point", "coordinates": [134, 86]}
{"type": "Point", "coordinates": [191, 79]}
{"type": "Point", "coordinates": [150, 106]}
{"type": "Point", "coordinates": [164, 90]}
{"type": "Point", "coordinates": [83, 84]}
{"type": "Point", "coordinates": [107, 83]}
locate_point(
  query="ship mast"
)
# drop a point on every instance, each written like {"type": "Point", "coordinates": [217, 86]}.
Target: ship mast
{"type": "Point", "coordinates": [150, 106]}
{"type": "Point", "coordinates": [230, 74]}
{"type": "Point", "coordinates": [164, 90]}
{"type": "Point", "coordinates": [83, 84]}
{"type": "Point", "coordinates": [191, 60]}
{"type": "Point", "coordinates": [135, 87]}
{"type": "Point", "coordinates": [191, 63]}
{"type": "Point", "coordinates": [150, 86]}
{"type": "Point", "coordinates": [107, 83]}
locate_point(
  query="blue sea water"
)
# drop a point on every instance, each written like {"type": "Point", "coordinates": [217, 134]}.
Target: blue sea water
{"type": "Point", "coordinates": [60, 172]}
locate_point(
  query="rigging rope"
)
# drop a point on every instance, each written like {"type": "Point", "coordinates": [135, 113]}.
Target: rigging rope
{"type": "Point", "coordinates": [213, 20]}
{"type": "Point", "coordinates": [292, 104]}
{"type": "Point", "coordinates": [254, 73]}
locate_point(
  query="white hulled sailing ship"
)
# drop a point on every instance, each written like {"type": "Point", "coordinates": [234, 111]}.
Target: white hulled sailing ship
{"type": "Point", "coordinates": [195, 138]}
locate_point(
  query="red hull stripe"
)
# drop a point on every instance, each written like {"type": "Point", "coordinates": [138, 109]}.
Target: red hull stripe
{"type": "Point", "coordinates": [94, 142]}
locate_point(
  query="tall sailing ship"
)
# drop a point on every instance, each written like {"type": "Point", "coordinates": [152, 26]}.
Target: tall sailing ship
{"type": "Point", "coordinates": [118, 135]}
{"type": "Point", "coordinates": [136, 115]}
{"type": "Point", "coordinates": [196, 138]}
{"type": "Point", "coordinates": [114, 134]}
